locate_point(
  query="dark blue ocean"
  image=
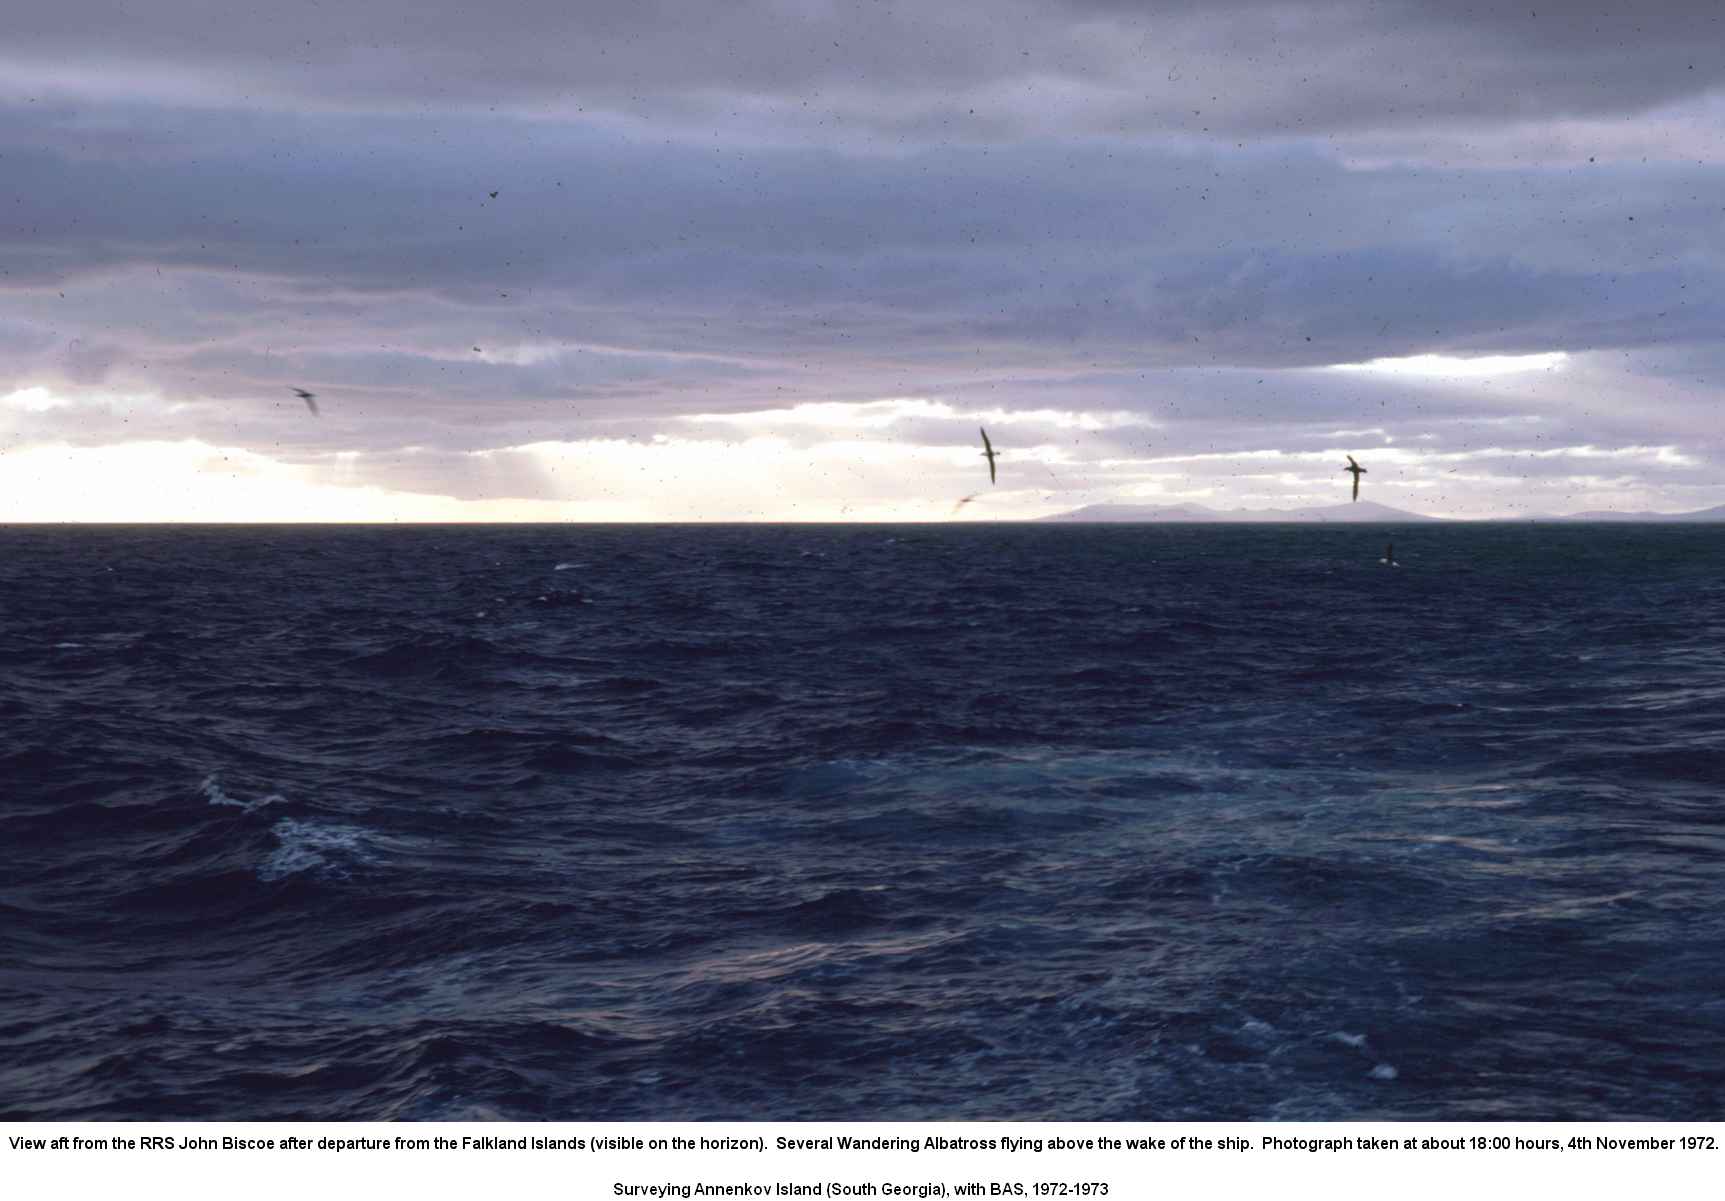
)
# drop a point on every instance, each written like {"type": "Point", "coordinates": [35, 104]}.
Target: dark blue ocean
{"type": "Point", "coordinates": [797, 822]}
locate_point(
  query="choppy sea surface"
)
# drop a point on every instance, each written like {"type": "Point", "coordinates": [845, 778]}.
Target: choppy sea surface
{"type": "Point", "coordinates": [1142, 822]}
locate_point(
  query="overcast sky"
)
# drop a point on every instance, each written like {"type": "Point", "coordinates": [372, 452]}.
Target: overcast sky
{"type": "Point", "coordinates": [778, 260]}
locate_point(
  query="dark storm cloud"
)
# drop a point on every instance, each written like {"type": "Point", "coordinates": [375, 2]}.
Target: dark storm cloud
{"type": "Point", "coordinates": [1165, 214]}
{"type": "Point", "coordinates": [366, 253]}
{"type": "Point", "coordinates": [951, 71]}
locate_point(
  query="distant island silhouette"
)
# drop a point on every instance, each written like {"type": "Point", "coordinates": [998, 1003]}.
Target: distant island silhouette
{"type": "Point", "coordinates": [1355, 512]}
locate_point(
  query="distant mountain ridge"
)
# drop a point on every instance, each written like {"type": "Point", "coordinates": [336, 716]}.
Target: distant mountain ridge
{"type": "Point", "coordinates": [1716, 513]}
{"type": "Point", "coordinates": [1353, 512]}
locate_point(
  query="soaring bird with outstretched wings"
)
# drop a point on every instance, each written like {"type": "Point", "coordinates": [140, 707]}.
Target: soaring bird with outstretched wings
{"type": "Point", "coordinates": [310, 399]}
{"type": "Point", "coordinates": [1358, 472]}
{"type": "Point", "coordinates": [987, 453]}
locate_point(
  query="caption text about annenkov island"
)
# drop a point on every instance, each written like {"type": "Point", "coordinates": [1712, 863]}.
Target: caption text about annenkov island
{"type": "Point", "coordinates": [859, 1162]}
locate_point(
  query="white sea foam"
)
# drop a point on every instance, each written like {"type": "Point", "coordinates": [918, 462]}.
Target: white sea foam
{"type": "Point", "coordinates": [321, 847]}
{"type": "Point", "coordinates": [212, 790]}
{"type": "Point", "coordinates": [568, 566]}
{"type": "Point", "coordinates": [66, 646]}
{"type": "Point", "coordinates": [1384, 1071]}
{"type": "Point", "coordinates": [453, 1109]}
{"type": "Point", "coordinates": [1357, 1041]}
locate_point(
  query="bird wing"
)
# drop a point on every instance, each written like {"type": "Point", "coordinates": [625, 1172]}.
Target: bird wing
{"type": "Point", "coordinates": [310, 404]}
{"type": "Point", "coordinates": [987, 446]}
{"type": "Point", "coordinates": [1356, 487]}
{"type": "Point", "coordinates": [1351, 462]}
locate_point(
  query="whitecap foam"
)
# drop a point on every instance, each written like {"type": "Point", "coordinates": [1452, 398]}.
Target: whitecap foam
{"type": "Point", "coordinates": [452, 1109]}
{"type": "Point", "coordinates": [212, 790]}
{"type": "Point", "coordinates": [1383, 1071]}
{"type": "Point", "coordinates": [322, 848]}
{"type": "Point", "coordinates": [568, 566]}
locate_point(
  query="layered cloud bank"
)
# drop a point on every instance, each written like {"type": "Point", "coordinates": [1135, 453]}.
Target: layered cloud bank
{"type": "Point", "coordinates": [779, 261]}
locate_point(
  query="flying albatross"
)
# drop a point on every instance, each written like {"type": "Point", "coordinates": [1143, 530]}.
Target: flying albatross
{"type": "Point", "coordinates": [1358, 472]}
{"type": "Point", "coordinates": [310, 399]}
{"type": "Point", "coordinates": [987, 453]}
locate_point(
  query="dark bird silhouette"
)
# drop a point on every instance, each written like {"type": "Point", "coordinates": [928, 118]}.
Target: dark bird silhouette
{"type": "Point", "coordinates": [494, 195]}
{"type": "Point", "coordinates": [1358, 472]}
{"type": "Point", "coordinates": [964, 500]}
{"type": "Point", "coordinates": [310, 399]}
{"type": "Point", "coordinates": [988, 453]}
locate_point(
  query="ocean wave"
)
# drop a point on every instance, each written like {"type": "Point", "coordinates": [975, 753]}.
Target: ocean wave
{"type": "Point", "coordinates": [211, 790]}
{"type": "Point", "coordinates": [328, 850]}
{"type": "Point", "coordinates": [1007, 822]}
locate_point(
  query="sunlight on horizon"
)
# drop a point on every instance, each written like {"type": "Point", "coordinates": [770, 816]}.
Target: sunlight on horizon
{"type": "Point", "coordinates": [1443, 366]}
{"type": "Point", "coordinates": [606, 480]}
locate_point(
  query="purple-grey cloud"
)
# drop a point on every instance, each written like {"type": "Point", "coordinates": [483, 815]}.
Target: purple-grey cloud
{"type": "Point", "coordinates": [994, 70]}
{"type": "Point", "coordinates": [1175, 211]}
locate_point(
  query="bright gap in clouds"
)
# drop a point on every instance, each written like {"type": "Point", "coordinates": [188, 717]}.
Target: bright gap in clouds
{"type": "Point", "coordinates": [842, 416]}
{"type": "Point", "coordinates": [1443, 366]}
{"type": "Point", "coordinates": [32, 400]}
{"type": "Point", "coordinates": [902, 459]}
{"type": "Point", "coordinates": [663, 479]}
{"type": "Point", "coordinates": [199, 482]}
{"type": "Point", "coordinates": [835, 415]}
